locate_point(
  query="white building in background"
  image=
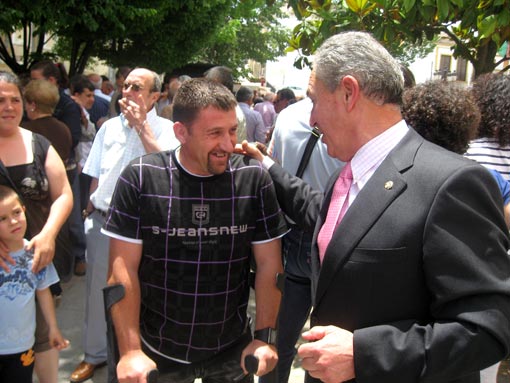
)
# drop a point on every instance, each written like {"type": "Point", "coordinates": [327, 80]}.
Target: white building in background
{"type": "Point", "coordinates": [440, 64]}
{"type": "Point", "coordinates": [95, 66]}
{"type": "Point", "coordinates": [277, 75]}
{"type": "Point", "coordinates": [283, 74]}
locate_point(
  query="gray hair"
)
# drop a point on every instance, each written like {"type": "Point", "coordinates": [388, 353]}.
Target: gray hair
{"type": "Point", "coordinates": [361, 56]}
{"type": "Point", "coordinates": [156, 82]}
{"type": "Point", "coordinates": [269, 96]}
{"type": "Point", "coordinates": [221, 74]}
{"type": "Point", "coordinates": [183, 78]}
{"type": "Point", "coordinates": [10, 78]}
{"type": "Point", "coordinates": [244, 94]}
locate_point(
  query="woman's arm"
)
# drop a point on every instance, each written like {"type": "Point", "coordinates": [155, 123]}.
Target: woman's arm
{"type": "Point", "coordinates": [62, 202]}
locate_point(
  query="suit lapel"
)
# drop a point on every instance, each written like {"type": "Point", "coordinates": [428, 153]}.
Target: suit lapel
{"type": "Point", "coordinates": [384, 186]}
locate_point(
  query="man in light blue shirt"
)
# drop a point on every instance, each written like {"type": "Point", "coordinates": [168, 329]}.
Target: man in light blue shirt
{"type": "Point", "coordinates": [255, 129]}
{"type": "Point", "coordinates": [137, 131]}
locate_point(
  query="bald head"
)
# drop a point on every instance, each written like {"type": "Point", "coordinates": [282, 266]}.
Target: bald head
{"type": "Point", "coordinates": [155, 81]}
{"type": "Point", "coordinates": [96, 80]}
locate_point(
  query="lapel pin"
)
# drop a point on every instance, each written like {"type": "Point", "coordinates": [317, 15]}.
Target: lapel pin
{"type": "Point", "coordinates": [388, 185]}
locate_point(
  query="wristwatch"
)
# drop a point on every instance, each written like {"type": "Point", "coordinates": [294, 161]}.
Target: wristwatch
{"type": "Point", "coordinates": [266, 335]}
{"type": "Point", "coordinates": [85, 213]}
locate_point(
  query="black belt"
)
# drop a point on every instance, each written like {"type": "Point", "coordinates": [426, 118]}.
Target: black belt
{"type": "Point", "coordinates": [103, 213]}
{"type": "Point", "coordinates": [85, 213]}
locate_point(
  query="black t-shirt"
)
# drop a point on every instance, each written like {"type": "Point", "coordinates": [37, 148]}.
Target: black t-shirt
{"type": "Point", "coordinates": [197, 234]}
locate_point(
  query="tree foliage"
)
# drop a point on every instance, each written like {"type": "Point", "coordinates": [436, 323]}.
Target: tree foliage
{"type": "Point", "coordinates": [478, 28]}
{"type": "Point", "coordinates": [30, 21]}
{"type": "Point", "coordinates": [158, 34]}
{"type": "Point", "coordinates": [252, 30]}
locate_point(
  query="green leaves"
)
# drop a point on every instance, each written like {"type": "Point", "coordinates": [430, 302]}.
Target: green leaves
{"type": "Point", "coordinates": [486, 26]}
{"type": "Point", "coordinates": [408, 4]}
{"type": "Point", "coordinates": [471, 24]}
{"type": "Point", "coordinates": [443, 8]}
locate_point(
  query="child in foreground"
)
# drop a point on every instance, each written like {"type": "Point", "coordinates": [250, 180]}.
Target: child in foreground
{"type": "Point", "coordinates": [18, 289]}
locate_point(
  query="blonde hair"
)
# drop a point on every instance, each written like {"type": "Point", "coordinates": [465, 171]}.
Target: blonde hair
{"type": "Point", "coordinates": [43, 93]}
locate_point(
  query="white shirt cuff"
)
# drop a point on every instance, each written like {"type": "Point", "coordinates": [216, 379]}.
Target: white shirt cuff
{"type": "Point", "coordinates": [267, 162]}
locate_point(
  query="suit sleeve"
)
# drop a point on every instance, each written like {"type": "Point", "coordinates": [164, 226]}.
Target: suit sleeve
{"type": "Point", "coordinates": [71, 116]}
{"type": "Point", "coordinates": [297, 199]}
{"type": "Point", "coordinates": [466, 268]}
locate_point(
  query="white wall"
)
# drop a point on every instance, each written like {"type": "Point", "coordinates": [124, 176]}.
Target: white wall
{"type": "Point", "coordinates": [282, 73]}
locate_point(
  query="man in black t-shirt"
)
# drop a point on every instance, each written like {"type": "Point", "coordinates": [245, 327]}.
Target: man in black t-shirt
{"type": "Point", "coordinates": [183, 225]}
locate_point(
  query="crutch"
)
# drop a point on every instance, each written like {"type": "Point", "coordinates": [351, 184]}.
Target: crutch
{"type": "Point", "coordinates": [251, 362]}
{"type": "Point", "coordinates": [113, 294]}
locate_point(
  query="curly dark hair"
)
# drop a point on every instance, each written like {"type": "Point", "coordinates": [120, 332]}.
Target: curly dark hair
{"type": "Point", "coordinates": [492, 93]}
{"type": "Point", "coordinates": [443, 113]}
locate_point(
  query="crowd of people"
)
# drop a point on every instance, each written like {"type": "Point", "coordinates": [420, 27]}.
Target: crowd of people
{"type": "Point", "coordinates": [392, 241]}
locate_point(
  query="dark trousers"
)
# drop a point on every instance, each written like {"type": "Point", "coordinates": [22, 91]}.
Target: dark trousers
{"type": "Point", "coordinates": [17, 367]}
{"type": "Point", "coordinates": [76, 230]}
{"type": "Point", "coordinates": [296, 300]}
{"type": "Point", "coordinates": [224, 367]}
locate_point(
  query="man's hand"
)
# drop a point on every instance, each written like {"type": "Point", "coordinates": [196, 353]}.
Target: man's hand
{"type": "Point", "coordinates": [134, 366]}
{"type": "Point", "coordinates": [43, 247]}
{"type": "Point", "coordinates": [135, 111]}
{"type": "Point", "coordinates": [266, 354]}
{"type": "Point", "coordinates": [330, 356]}
{"type": "Point", "coordinates": [5, 258]}
{"type": "Point", "coordinates": [250, 149]}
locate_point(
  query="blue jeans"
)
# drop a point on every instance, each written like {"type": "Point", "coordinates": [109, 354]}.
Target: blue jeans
{"type": "Point", "coordinates": [296, 300]}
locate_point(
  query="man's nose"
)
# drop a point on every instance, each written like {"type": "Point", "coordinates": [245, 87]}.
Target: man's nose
{"type": "Point", "coordinates": [226, 143]}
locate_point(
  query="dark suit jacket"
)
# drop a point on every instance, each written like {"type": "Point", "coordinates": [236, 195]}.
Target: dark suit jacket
{"type": "Point", "coordinates": [417, 268]}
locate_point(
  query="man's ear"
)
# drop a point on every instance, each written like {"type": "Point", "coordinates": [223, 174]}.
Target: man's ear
{"type": "Point", "coordinates": [351, 91]}
{"type": "Point", "coordinates": [53, 80]}
{"type": "Point", "coordinates": [154, 97]}
{"type": "Point", "coordinates": [181, 132]}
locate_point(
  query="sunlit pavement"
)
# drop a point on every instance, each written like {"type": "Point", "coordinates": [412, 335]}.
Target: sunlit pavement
{"type": "Point", "coordinates": [70, 318]}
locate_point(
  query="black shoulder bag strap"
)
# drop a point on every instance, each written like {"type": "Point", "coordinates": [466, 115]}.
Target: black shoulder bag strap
{"type": "Point", "coordinates": [5, 174]}
{"type": "Point", "coordinates": [39, 157]}
{"type": "Point", "coordinates": [314, 136]}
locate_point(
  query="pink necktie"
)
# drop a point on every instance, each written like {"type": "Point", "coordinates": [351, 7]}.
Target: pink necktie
{"type": "Point", "coordinates": [336, 210]}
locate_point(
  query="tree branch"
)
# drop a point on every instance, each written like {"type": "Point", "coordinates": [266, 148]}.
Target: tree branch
{"type": "Point", "coordinates": [502, 60]}
{"type": "Point", "coordinates": [26, 40]}
{"type": "Point", "coordinates": [6, 57]}
{"type": "Point", "coordinates": [466, 53]}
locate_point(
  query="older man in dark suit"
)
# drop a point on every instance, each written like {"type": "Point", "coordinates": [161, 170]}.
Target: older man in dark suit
{"type": "Point", "coordinates": [410, 272]}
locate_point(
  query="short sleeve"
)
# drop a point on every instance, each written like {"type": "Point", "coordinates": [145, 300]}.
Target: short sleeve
{"type": "Point", "coordinates": [47, 277]}
{"type": "Point", "coordinates": [124, 213]}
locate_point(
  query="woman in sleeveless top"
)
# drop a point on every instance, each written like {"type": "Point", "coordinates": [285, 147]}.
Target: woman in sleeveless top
{"type": "Point", "coordinates": [31, 166]}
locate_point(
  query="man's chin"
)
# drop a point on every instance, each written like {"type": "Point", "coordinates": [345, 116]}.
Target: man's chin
{"type": "Point", "coordinates": [217, 169]}
{"type": "Point", "coordinates": [218, 165]}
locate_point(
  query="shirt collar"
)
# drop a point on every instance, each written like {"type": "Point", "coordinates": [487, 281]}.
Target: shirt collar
{"type": "Point", "coordinates": [372, 154]}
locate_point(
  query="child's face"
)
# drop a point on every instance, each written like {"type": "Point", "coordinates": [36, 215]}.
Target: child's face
{"type": "Point", "coordinates": [13, 222]}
